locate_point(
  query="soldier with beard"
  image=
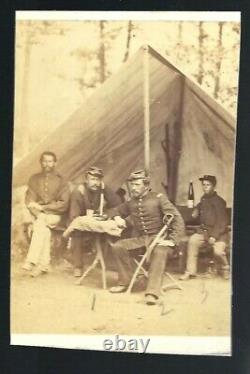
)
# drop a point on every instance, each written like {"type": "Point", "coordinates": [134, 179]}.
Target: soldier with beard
{"type": "Point", "coordinates": [85, 200]}
{"type": "Point", "coordinates": [47, 200]}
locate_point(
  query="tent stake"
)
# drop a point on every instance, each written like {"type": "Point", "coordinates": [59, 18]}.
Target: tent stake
{"type": "Point", "coordinates": [146, 109]}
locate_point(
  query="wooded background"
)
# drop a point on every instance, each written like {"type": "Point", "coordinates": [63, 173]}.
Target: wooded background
{"type": "Point", "coordinates": [60, 63]}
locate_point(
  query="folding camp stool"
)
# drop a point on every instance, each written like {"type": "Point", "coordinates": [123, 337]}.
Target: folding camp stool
{"type": "Point", "coordinates": [162, 234]}
{"type": "Point", "coordinates": [98, 259]}
{"type": "Point", "coordinates": [174, 283]}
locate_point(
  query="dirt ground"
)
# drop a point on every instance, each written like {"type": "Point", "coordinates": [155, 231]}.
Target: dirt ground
{"type": "Point", "coordinates": [54, 304]}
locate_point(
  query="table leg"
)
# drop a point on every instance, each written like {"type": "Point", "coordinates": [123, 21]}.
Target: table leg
{"type": "Point", "coordinates": [87, 271]}
{"type": "Point", "coordinates": [101, 260]}
{"type": "Point", "coordinates": [98, 258]}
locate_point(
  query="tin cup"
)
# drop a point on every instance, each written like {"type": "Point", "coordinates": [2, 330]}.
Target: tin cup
{"type": "Point", "coordinates": [89, 212]}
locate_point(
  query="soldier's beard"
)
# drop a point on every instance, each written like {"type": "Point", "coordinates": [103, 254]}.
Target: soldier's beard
{"type": "Point", "coordinates": [48, 169]}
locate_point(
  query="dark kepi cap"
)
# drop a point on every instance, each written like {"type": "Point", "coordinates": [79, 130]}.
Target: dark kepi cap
{"type": "Point", "coordinates": [210, 178]}
{"type": "Point", "coordinates": [139, 174]}
{"type": "Point", "coordinates": [95, 171]}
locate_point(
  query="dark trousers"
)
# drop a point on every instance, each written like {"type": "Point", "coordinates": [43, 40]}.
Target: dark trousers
{"type": "Point", "coordinates": [126, 267]}
{"type": "Point", "coordinates": [80, 243]}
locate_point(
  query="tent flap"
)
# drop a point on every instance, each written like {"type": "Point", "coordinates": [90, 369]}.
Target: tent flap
{"type": "Point", "coordinates": [107, 131]}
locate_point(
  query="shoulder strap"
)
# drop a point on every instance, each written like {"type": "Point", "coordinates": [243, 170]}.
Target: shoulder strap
{"type": "Point", "coordinates": [82, 189]}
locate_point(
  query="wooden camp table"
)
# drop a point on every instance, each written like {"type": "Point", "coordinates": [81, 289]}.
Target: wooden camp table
{"type": "Point", "coordinates": [99, 258]}
{"type": "Point", "coordinates": [98, 239]}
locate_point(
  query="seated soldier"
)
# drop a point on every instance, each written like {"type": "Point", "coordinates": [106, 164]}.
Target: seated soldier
{"type": "Point", "coordinates": [85, 200]}
{"type": "Point", "coordinates": [213, 229]}
{"type": "Point", "coordinates": [144, 212]}
{"type": "Point", "coordinates": [47, 199]}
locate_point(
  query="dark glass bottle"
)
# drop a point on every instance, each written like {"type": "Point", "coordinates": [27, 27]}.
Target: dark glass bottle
{"type": "Point", "coordinates": [190, 201]}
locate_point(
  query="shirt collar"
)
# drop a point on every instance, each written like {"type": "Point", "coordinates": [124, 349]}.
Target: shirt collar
{"type": "Point", "coordinates": [144, 195]}
{"type": "Point", "coordinates": [48, 174]}
{"type": "Point", "coordinates": [210, 195]}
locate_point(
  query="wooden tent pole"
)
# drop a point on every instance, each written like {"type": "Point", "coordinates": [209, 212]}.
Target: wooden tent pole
{"type": "Point", "coordinates": [174, 145]}
{"type": "Point", "coordinates": [146, 109]}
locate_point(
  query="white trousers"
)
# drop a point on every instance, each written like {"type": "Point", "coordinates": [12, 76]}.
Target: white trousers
{"type": "Point", "coordinates": [39, 250]}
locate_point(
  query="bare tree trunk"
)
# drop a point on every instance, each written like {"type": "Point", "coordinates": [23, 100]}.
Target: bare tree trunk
{"type": "Point", "coordinates": [219, 61]}
{"type": "Point", "coordinates": [179, 39]}
{"type": "Point", "coordinates": [129, 33]}
{"type": "Point", "coordinates": [201, 53]}
{"type": "Point", "coordinates": [102, 59]}
{"type": "Point", "coordinates": [24, 114]}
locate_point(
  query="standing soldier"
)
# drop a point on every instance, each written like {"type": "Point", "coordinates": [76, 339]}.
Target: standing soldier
{"type": "Point", "coordinates": [85, 200]}
{"type": "Point", "coordinates": [47, 199]}
{"type": "Point", "coordinates": [213, 229]}
{"type": "Point", "coordinates": [144, 214]}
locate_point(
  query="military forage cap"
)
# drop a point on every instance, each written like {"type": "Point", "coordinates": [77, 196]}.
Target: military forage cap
{"type": "Point", "coordinates": [95, 171]}
{"type": "Point", "coordinates": [210, 178]}
{"type": "Point", "coordinates": [139, 174]}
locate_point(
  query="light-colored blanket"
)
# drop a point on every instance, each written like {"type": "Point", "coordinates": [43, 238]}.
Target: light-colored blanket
{"type": "Point", "coordinates": [86, 223]}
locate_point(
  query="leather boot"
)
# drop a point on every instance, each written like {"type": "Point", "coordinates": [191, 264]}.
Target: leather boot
{"type": "Point", "coordinates": [225, 272]}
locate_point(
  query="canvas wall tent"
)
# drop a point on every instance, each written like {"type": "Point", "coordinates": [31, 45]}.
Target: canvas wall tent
{"type": "Point", "coordinates": [190, 134]}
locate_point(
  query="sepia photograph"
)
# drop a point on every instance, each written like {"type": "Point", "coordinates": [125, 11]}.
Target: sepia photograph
{"type": "Point", "coordinates": [123, 180]}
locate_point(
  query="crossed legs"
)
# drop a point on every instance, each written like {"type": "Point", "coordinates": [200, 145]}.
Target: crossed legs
{"type": "Point", "coordinates": [39, 249]}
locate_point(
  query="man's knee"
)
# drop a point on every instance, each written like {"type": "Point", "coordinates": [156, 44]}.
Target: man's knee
{"type": "Point", "coordinates": [195, 240]}
{"type": "Point", "coordinates": [162, 250]}
{"type": "Point", "coordinates": [52, 220]}
{"type": "Point", "coordinates": [119, 249]}
{"type": "Point", "coordinates": [220, 249]}
{"type": "Point", "coordinates": [39, 222]}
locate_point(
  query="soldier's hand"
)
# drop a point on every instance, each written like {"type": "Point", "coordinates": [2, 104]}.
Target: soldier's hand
{"type": "Point", "coordinates": [211, 240]}
{"type": "Point", "coordinates": [195, 213]}
{"type": "Point", "coordinates": [120, 222]}
{"type": "Point", "coordinates": [34, 205]}
{"type": "Point", "coordinates": [35, 209]}
{"type": "Point", "coordinates": [166, 242]}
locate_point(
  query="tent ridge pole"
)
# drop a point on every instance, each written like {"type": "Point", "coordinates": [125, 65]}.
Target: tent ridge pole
{"type": "Point", "coordinates": [146, 108]}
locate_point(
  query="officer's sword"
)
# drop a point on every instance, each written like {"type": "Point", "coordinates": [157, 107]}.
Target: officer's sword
{"type": "Point", "coordinates": [167, 219]}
